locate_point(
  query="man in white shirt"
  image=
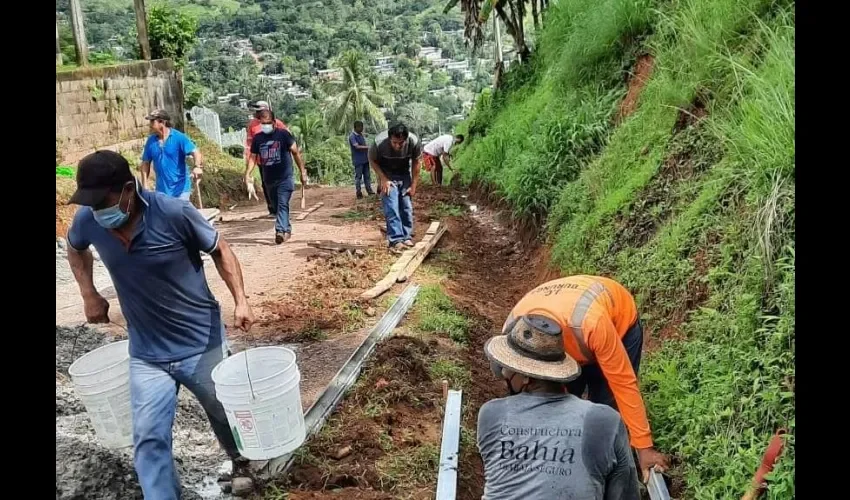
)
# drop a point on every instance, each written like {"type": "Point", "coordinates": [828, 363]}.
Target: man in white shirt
{"type": "Point", "coordinates": [436, 152]}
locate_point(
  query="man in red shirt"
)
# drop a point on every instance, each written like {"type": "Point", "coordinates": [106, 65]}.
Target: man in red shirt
{"type": "Point", "coordinates": [253, 128]}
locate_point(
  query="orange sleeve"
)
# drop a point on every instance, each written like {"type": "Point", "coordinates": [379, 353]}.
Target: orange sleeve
{"type": "Point", "coordinates": [615, 365]}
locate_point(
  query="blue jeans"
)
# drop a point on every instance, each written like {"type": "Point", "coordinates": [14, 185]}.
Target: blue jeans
{"type": "Point", "coordinates": [281, 193]}
{"type": "Point", "coordinates": [153, 398]}
{"type": "Point", "coordinates": [361, 173]}
{"type": "Point", "coordinates": [594, 380]}
{"type": "Point", "coordinates": [398, 211]}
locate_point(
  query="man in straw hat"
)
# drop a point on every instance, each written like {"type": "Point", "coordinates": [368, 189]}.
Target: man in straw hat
{"type": "Point", "coordinates": [151, 245]}
{"type": "Point", "coordinates": [542, 442]}
{"type": "Point", "coordinates": [603, 333]}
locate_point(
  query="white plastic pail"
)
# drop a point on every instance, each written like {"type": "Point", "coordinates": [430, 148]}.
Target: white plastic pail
{"type": "Point", "coordinates": [260, 391]}
{"type": "Point", "coordinates": [102, 381]}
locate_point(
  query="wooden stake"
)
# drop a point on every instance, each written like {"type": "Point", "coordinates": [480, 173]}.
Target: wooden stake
{"type": "Point", "coordinates": [58, 49]}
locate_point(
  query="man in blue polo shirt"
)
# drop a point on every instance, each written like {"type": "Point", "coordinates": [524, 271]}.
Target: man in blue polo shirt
{"type": "Point", "coordinates": [167, 149]}
{"type": "Point", "coordinates": [151, 245]}
{"type": "Point", "coordinates": [360, 159]}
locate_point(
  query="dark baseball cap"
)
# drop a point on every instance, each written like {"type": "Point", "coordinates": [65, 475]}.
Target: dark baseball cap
{"type": "Point", "coordinates": [159, 114]}
{"type": "Point", "coordinates": [98, 174]}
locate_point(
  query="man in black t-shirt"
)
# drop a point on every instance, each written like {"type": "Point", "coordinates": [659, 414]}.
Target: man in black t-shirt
{"type": "Point", "coordinates": [273, 149]}
{"type": "Point", "coordinates": [394, 157]}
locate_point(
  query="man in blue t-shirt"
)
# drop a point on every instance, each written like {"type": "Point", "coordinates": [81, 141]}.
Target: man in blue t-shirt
{"type": "Point", "coordinates": [151, 245]}
{"type": "Point", "coordinates": [167, 149]}
{"type": "Point", "coordinates": [273, 149]}
{"type": "Point", "coordinates": [360, 159]}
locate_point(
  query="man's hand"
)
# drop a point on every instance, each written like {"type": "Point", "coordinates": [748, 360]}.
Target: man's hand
{"type": "Point", "coordinates": [304, 179]}
{"type": "Point", "coordinates": [411, 191]}
{"type": "Point", "coordinates": [96, 309]}
{"type": "Point", "coordinates": [243, 316]}
{"type": "Point", "coordinates": [386, 186]}
{"type": "Point", "coordinates": [649, 458]}
{"type": "Point", "coordinates": [197, 172]}
{"type": "Point", "coordinates": [252, 191]}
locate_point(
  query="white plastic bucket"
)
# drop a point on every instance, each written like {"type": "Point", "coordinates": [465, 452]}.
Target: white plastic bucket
{"type": "Point", "coordinates": [261, 395]}
{"type": "Point", "coordinates": [102, 381]}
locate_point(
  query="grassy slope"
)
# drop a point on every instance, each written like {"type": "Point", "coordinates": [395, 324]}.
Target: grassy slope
{"type": "Point", "coordinates": [695, 215]}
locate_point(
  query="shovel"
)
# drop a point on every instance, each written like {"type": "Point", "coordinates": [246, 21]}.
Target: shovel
{"type": "Point", "coordinates": [303, 201]}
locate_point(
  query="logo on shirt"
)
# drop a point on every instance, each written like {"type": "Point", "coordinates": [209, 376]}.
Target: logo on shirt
{"type": "Point", "coordinates": [270, 153]}
{"type": "Point", "coordinates": [550, 452]}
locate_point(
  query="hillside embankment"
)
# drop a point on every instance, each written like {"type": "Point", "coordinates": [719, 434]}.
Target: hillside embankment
{"type": "Point", "coordinates": [653, 142]}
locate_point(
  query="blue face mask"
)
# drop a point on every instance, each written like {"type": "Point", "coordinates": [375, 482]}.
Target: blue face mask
{"type": "Point", "coordinates": [112, 217]}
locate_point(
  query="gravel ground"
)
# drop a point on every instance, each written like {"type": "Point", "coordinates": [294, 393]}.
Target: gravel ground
{"type": "Point", "coordinates": [86, 470]}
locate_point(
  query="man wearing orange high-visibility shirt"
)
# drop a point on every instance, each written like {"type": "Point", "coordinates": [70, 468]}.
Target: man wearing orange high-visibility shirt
{"type": "Point", "coordinates": [602, 331]}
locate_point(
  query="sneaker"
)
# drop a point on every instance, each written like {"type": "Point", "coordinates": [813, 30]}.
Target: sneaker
{"type": "Point", "coordinates": [397, 248]}
{"type": "Point", "coordinates": [408, 243]}
{"type": "Point", "coordinates": [287, 237]}
{"type": "Point", "coordinates": [279, 238]}
{"type": "Point", "coordinates": [359, 196]}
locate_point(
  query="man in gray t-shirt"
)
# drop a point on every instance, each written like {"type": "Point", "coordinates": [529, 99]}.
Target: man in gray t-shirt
{"type": "Point", "coordinates": [540, 442]}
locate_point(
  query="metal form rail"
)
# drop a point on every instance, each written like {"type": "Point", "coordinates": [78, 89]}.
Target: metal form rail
{"type": "Point", "coordinates": [447, 477]}
{"type": "Point", "coordinates": [345, 377]}
{"type": "Point", "coordinates": [656, 486]}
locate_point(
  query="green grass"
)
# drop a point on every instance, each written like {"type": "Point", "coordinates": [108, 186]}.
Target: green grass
{"type": "Point", "coordinates": [358, 213]}
{"type": "Point", "coordinates": [409, 468]}
{"type": "Point", "coordinates": [441, 210]}
{"type": "Point", "coordinates": [716, 264]}
{"type": "Point", "coordinates": [435, 313]}
{"type": "Point", "coordinates": [457, 375]}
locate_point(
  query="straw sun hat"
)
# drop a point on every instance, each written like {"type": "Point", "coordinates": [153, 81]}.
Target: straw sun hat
{"type": "Point", "coordinates": [534, 347]}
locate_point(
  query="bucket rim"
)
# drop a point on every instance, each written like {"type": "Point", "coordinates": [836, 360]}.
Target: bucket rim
{"type": "Point", "coordinates": [256, 381]}
{"type": "Point", "coordinates": [113, 365]}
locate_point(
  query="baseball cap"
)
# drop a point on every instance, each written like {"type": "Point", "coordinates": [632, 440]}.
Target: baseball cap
{"type": "Point", "coordinates": [98, 174]}
{"type": "Point", "coordinates": [159, 114]}
{"type": "Point", "coordinates": [260, 105]}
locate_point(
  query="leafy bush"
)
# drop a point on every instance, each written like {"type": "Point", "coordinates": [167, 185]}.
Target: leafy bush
{"type": "Point", "coordinates": [172, 33]}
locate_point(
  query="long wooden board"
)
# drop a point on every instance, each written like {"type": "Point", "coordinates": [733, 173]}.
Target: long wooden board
{"type": "Point", "coordinates": [408, 259]}
{"type": "Point", "coordinates": [303, 215]}
{"type": "Point", "coordinates": [337, 246]}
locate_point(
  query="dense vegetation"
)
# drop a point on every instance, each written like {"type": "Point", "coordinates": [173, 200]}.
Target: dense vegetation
{"type": "Point", "coordinates": [298, 39]}
{"type": "Point", "coordinates": [689, 201]}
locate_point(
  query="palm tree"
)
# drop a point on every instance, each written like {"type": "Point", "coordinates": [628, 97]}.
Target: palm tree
{"type": "Point", "coordinates": [309, 130]}
{"type": "Point", "coordinates": [510, 12]}
{"type": "Point", "coordinates": [358, 96]}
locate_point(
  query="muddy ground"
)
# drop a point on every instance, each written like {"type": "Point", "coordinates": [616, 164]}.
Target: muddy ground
{"type": "Point", "coordinates": [397, 402]}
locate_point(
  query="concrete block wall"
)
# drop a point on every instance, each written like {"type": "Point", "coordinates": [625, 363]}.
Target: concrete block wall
{"type": "Point", "coordinates": [105, 107]}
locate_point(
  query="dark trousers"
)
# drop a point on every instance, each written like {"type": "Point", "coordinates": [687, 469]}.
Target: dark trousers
{"type": "Point", "coordinates": [270, 197]}
{"type": "Point", "coordinates": [591, 375]}
{"type": "Point", "coordinates": [361, 173]}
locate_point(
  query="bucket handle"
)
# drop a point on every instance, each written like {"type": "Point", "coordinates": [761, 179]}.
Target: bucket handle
{"type": "Point", "coordinates": [248, 373]}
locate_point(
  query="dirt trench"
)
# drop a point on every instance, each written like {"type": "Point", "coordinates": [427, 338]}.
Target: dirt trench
{"type": "Point", "coordinates": [383, 441]}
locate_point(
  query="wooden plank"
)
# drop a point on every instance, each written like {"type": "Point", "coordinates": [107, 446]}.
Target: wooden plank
{"type": "Point", "coordinates": [312, 209]}
{"type": "Point", "coordinates": [398, 268]}
{"type": "Point", "coordinates": [337, 246]}
{"type": "Point", "coordinates": [447, 477]}
{"type": "Point", "coordinates": [432, 236]}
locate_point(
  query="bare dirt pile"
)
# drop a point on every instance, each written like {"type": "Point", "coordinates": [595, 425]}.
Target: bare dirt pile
{"type": "Point", "coordinates": [85, 470]}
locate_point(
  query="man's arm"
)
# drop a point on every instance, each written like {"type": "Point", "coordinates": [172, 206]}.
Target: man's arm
{"type": "Point", "coordinates": [385, 184]}
{"type": "Point", "coordinates": [614, 362]}
{"type": "Point", "coordinates": [299, 160]}
{"type": "Point", "coordinates": [415, 174]}
{"type": "Point", "coordinates": [81, 262]}
{"type": "Point", "coordinates": [622, 482]}
{"type": "Point", "coordinates": [200, 234]}
{"type": "Point", "coordinates": [145, 170]}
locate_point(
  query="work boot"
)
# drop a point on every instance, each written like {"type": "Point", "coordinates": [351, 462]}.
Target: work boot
{"type": "Point", "coordinates": [287, 237]}
{"type": "Point", "coordinates": [397, 248]}
{"type": "Point", "coordinates": [279, 238]}
{"type": "Point", "coordinates": [359, 196]}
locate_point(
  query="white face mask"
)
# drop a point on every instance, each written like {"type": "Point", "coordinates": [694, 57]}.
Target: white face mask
{"type": "Point", "coordinates": [267, 128]}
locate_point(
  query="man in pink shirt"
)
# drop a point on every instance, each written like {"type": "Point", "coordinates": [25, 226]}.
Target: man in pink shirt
{"type": "Point", "coordinates": [253, 128]}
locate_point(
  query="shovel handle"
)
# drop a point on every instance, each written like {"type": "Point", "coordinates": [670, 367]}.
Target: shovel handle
{"type": "Point", "coordinates": [303, 200]}
{"type": "Point", "coordinates": [198, 190]}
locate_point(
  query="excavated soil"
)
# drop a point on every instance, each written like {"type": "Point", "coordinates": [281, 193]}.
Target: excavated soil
{"type": "Point", "coordinates": [396, 404]}
{"type": "Point", "coordinates": [637, 81]}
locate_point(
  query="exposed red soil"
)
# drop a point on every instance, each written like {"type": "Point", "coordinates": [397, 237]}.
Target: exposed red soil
{"type": "Point", "coordinates": [490, 272]}
{"type": "Point", "coordinates": [637, 81]}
